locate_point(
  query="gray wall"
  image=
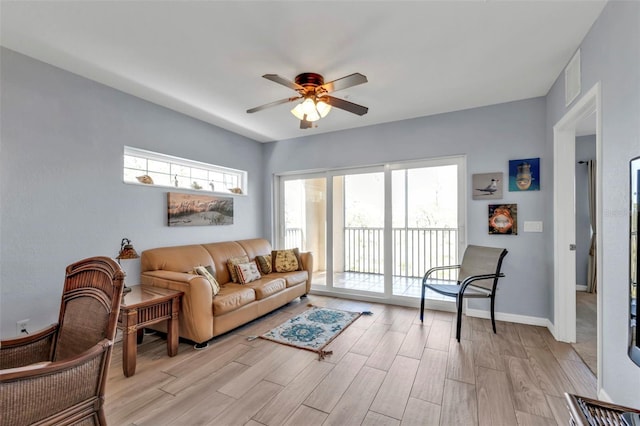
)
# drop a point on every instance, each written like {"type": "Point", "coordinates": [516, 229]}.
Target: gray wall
{"type": "Point", "coordinates": [490, 137]}
{"type": "Point", "coordinates": [61, 181]}
{"type": "Point", "coordinates": [611, 55]}
{"type": "Point", "coordinates": [585, 150]}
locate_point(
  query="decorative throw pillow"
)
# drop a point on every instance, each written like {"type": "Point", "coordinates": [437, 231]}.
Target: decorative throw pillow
{"type": "Point", "coordinates": [207, 272]}
{"type": "Point", "coordinates": [247, 272]}
{"type": "Point", "coordinates": [286, 260]}
{"type": "Point", "coordinates": [231, 264]}
{"type": "Point", "coordinates": [264, 264]}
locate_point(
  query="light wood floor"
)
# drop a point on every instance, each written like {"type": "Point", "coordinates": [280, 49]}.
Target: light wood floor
{"type": "Point", "coordinates": [586, 329]}
{"type": "Point", "coordinates": [386, 369]}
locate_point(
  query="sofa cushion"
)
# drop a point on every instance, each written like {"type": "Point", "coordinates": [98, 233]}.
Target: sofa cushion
{"type": "Point", "coordinates": [264, 264]}
{"type": "Point", "coordinates": [291, 278]}
{"type": "Point", "coordinates": [231, 297]}
{"type": "Point", "coordinates": [286, 260]}
{"type": "Point", "coordinates": [247, 272]}
{"type": "Point", "coordinates": [232, 263]}
{"type": "Point", "coordinates": [267, 286]}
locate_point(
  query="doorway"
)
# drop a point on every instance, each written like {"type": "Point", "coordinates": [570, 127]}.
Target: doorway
{"type": "Point", "coordinates": [564, 276]}
{"type": "Point", "coordinates": [586, 252]}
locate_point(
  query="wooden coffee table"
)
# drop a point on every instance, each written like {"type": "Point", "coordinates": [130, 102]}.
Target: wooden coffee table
{"type": "Point", "coordinates": [142, 306]}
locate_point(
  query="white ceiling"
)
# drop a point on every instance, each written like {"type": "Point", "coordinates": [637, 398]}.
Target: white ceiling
{"type": "Point", "coordinates": [206, 58]}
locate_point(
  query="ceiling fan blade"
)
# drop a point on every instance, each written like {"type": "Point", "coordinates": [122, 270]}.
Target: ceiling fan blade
{"type": "Point", "coordinates": [345, 82]}
{"type": "Point", "coordinates": [345, 105]}
{"type": "Point", "coordinates": [281, 80]}
{"type": "Point", "coordinates": [271, 104]}
{"type": "Point", "coordinates": [304, 124]}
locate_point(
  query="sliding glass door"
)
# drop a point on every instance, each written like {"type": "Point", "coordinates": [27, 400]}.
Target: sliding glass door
{"type": "Point", "coordinates": [358, 232]}
{"type": "Point", "coordinates": [375, 231]}
{"type": "Point", "coordinates": [425, 223]}
{"type": "Point", "coordinates": [303, 219]}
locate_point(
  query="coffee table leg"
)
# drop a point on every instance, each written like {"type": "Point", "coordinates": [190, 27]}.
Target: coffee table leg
{"type": "Point", "coordinates": [172, 328]}
{"type": "Point", "coordinates": [129, 343]}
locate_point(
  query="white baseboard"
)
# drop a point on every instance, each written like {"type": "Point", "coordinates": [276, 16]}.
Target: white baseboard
{"type": "Point", "coordinates": [552, 328]}
{"type": "Point", "coordinates": [580, 287]}
{"type": "Point", "coordinates": [441, 306]}
{"type": "Point", "coordinates": [500, 316]}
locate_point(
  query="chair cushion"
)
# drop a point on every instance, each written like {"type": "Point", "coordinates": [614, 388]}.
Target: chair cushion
{"type": "Point", "coordinates": [231, 297]}
{"type": "Point", "coordinates": [265, 287]}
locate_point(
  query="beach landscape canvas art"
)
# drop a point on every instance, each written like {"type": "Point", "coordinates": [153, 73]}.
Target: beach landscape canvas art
{"type": "Point", "coordinates": [198, 210]}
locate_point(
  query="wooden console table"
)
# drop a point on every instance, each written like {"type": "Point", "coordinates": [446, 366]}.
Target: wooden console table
{"type": "Point", "coordinates": [142, 306]}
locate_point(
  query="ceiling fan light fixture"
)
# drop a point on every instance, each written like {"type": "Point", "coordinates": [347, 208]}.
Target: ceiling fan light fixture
{"type": "Point", "coordinates": [314, 116]}
{"type": "Point", "coordinates": [323, 108]}
{"type": "Point", "coordinates": [306, 110]}
{"type": "Point", "coordinates": [315, 95]}
{"type": "Point", "coordinates": [298, 111]}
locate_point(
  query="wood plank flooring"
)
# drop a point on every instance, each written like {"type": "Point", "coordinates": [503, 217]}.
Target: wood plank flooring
{"type": "Point", "coordinates": [586, 329]}
{"type": "Point", "coordinates": [386, 369]}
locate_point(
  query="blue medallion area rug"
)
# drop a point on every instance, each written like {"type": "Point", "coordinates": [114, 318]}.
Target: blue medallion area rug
{"type": "Point", "coordinates": [313, 329]}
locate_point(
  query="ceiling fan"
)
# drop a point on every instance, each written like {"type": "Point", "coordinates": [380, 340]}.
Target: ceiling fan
{"type": "Point", "coordinates": [314, 92]}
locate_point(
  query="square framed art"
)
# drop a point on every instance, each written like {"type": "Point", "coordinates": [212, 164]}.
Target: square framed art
{"type": "Point", "coordinates": [487, 186]}
{"type": "Point", "coordinates": [524, 175]}
{"type": "Point", "coordinates": [503, 219]}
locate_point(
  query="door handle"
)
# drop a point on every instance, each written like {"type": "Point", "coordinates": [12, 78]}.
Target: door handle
{"type": "Point", "coordinates": [572, 247]}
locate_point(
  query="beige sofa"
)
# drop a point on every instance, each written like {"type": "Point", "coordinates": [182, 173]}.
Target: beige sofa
{"type": "Point", "coordinates": [203, 316]}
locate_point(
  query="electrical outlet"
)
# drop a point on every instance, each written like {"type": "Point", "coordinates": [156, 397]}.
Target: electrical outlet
{"type": "Point", "coordinates": [22, 326]}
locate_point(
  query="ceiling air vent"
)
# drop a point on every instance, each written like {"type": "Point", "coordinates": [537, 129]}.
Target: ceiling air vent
{"type": "Point", "coordinates": [572, 79]}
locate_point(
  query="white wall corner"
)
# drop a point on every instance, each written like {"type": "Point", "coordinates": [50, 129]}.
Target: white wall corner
{"type": "Point", "coordinates": [604, 396]}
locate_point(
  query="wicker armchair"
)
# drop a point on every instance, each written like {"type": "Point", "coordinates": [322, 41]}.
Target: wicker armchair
{"type": "Point", "coordinates": [58, 375]}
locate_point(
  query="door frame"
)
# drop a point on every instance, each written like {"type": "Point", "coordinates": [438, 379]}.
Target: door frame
{"type": "Point", "coordinates": [387, 297]}
{"type": "Point", "coordinates": [564, 261]}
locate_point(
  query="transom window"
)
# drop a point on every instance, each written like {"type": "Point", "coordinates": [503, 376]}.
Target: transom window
{"type": "Point", "coordinates": [152, 168]}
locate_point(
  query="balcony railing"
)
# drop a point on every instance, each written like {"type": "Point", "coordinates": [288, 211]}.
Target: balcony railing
{"type": "Point", "coordinates": [293, 237]}
{"type": "Point", "coordinates": [415, 250]}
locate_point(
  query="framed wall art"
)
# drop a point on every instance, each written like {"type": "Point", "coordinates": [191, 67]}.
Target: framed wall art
{"type": "Point", "coordinates": [487, 186]}
{"type": "Point", "coordinates": [503, 219]}
{"type": "Point", "coordinates": [524, 175]}
{"type": "Point", "coordinates": [198, 210]}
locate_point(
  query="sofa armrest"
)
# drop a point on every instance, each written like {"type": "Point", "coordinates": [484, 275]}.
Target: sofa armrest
{"type": "Point", "coordinates": [196, 311]}
{"type": "Point", "coordinates": [307, 264]}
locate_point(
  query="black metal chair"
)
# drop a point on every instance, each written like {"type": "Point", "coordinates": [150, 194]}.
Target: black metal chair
{"type": "Point", "coordinates": [477, 277]}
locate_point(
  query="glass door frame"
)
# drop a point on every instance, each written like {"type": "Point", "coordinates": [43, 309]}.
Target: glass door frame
{"type": "Point", "coordinates": [387, 169]}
